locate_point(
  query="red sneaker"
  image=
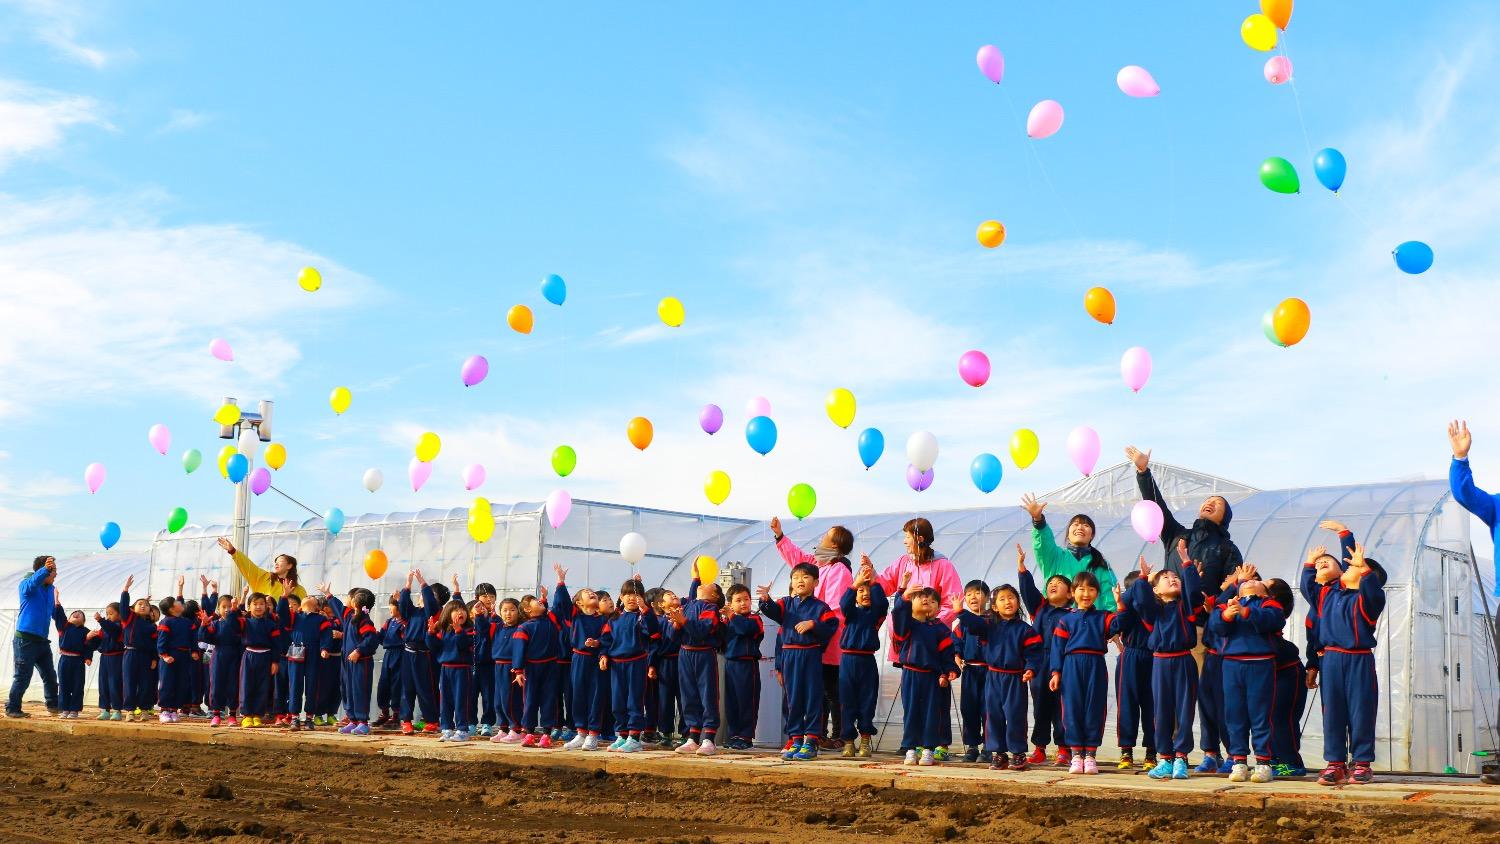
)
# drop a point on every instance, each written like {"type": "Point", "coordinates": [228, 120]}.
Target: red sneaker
{"type": "Point", "coordinates": [1334, 774]}
{"type": "Point", "coordinates": [1361, 774]}
{"type": "Point", "coordinates": [544, 742]}
{"type": "Point", "coordinates": [1038, 756]}
{"type": "Point", "coordinates": [1018, 763]}
{"type": "Point", "coordinates": [1064, 758]}
{"type": "Point", "coordinates": [407, 729]}
{"type": "Point", "coordinates": [430, 727]}
{"type": "Point", "coordinates": [530, 740]}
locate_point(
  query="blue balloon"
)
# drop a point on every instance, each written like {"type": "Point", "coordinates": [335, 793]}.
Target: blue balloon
{"type": "Point", "coordinates": [238, 467]}
{"type": "Point", "coordinates": [871, 446]}
{"type": "Point", "coordinates": [333, 521]}
{"type": "Point", "coordinates": [986, 471]}
{"type": "Point", "coordinates": [109, 535]}
{"type": "Point", "coordinates": [760, 433]}
{"type": "Point", "coordinates": [554, 289]}
{"type": "Point", "coordinates": [1330, 167]}
{"type": "Point", "coordinates": [1413, 257]}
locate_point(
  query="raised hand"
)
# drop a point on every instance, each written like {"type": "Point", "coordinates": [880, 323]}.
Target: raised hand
{"type": "Point", "coordinates": [417, 573]}
{"type": "Point", "coordinates": [203, 579]}
{"type": "Point", "coordinates": [213, 586]}
{"type": "Point", "coordinates": [541, 593]}
{"type": "Point", "coordinates": [562, 573]}
{"type": "Point", "coordinates": [1145, 567]}
{"type": "Point", "coordinates": [1458, 436]}
{"type": "Point", "coordinates": [326, 588]}
{"type": "Point", "coordinates": [1330, 524]}
{"type": "Point", "coordinates": [1115, 590]}
{"type": "Point", "coordinates": [1141, 459]}
{"type": "Point", "coordinates": [1357, 558]}
{"type": "Point", "coordinates": [181, 579]}
{"type": "Point", "coordinates": [763, 592]}
{"type": "Point", "coordinates": [1182, 552]}
{"type": "Point", "coordinates": [455, 584]}
{"type": "Point", "coordinates": [1032, 506]}
{"type": "Point", "coordinates": [1316, 553]}
{"type": "Point", "coordinates": [226, 545]}
{"type": "Point", "coordinates": [957, 604]}
{"type": "Point", "coordinates": [410, 575]}
{"type": "Point", "coordinates": [776, 527]}
{"type": "Point", "coordinates": [129, 579]}
{"type": "Point", "coordinates": [1020, 559]}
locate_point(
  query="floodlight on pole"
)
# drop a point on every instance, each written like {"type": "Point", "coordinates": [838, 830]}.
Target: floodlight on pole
{"type": "Point", "coordinates": [260, 423]}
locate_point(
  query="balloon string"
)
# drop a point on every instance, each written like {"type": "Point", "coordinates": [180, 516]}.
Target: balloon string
{"type": "Point", "coordinates": [1296, 97]}
{"type": "Point", "coordinates": [1047, 177]}
{"type": "Point", "coordinates": [296, 502]}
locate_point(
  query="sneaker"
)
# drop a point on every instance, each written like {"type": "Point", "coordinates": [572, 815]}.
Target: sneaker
{"type": "Point", "coordinates": [461, 735]}
{"type": "Point", "coordinates": [911, 757]}
{"type": "Point", "coordinates": [807, 752]}
{"type": "Point", "coordinates": [1038, 756]}
{"type": "Point", "coordinates": [972, 754]}
{"type": "Point", "coordinates": [231, 721]}
{"type": "Point", "coordinates": [940, 754]}
{"type": "Point", "coordinates": [705, 749]}
{"type": "Point", "coordinates": [360, 729]}
{"type": "Point", "coordinates": [165, 718]}
{"type": "Point", "coordinates": [134, 716]}
{"type": "Point", "coordinates": [296, 726]}
{"type": "Point", "coordinates": [556, 734]}
{"type": "Point", "coordinates": [1226, 766]}
{"type": "Point", "coordinates": [214, 721]}
{"type": "Point", "coordinates": [515, 736]}
{"type": "Point", "coordinates": [1209, 765]}
{"type": "Point", "coordinates": [485, 731]}
{"type": "Point", "coordinates": [117, 715]}
{"type": "Point", "coordinates": [691, 746]}
{"type": "Point", "coordinates": [544, 742]}
{"type": "Point", "coordinates": [615, 746]}
{"type": "Point", "coordinates": [1180, 768]}
{"type": "Point", "coordinates": [985, 756]}
{"type": "Point", "coordinates": [1162, 771]}
{"type": "Point", "coordinates": [1090, 765]}
{"type": "Point", "coordinates": [1334, 774]}
{"type": "Point", "coordinates": [430, 727]}
{"type": "Point", "coordinates": [999, 762]}
{"type": "Point", "coordinates": [633, 745]}
{"type": "Point", "coordinates": [849, 750]}
{"type": "Point", "coordinates": [590, 742]}
{"type": "Point", "coordinates": [1018, 763]}
{"type": "Point", "coordinates": [1075, 765]}
{"type": "Point", "coordinates": [865, 748]}
{"type": "Point", "coordinates": [530, 740]}
{"type": "Point", "coordinates": [1262, 773]}
{"type": "Point", "coordinates": [1127, 761]}
{"type": "Point", "coordinates": [790, 752]}
{"type": "Point", "coordinates": [1149, 762]}
{"type": "Point", "coordinates": [1282, 769]}
{"type": "Point", "coordinates": [576, 742]}
{"type": "Point", "coordinates": [1361, 774]}
{"type": "Point", "coordinates": [1064, 759]}
{"type": "Point", "coordinates": [446, 736]}
{"type": "Point", "coordinates": [501, 737]}
{"type": "Point", "coordinates": [103, 715]}
{"type": "Point", "coordinates": [928, 759]}
{"type": "Point", "coordinates": [1239, 773]}
{"type": "Point", "coordinates": [407, 728]}
{"type": "Point", "coordinates": [568, 735]}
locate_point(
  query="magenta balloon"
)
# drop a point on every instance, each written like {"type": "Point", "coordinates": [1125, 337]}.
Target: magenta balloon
{"type": "Point", "coordinates": [1083, 448]}
{"type": "Point", "coordinates": [974, 368]}
{"type": "Point", "coordinates": [991, 63]}
{"type": "Point", "coordinates": [475, 369]}
{"type": "Point", "coordinates": [93, 475]}
{"type": "Point", "coordinates": [1045, 119]}
{"type": "Point", "coordinates": [1278, 70]}
{"type": "Point", "coordinates": [473, 476]}
{"type": "Point", "coordinates": [419, 472]}
{"type": "Point", "coordinates": [1146, 517]}
{"type": "Point", "coordinates": [918, 480]}
{"type": "Point", "coordinates": [711, 419]}
{"type": "Point", "coordinates": [260, 480]}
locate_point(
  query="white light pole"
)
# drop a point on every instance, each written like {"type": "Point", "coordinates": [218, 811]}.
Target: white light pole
{"type": "Point", "coordinates": [260, 423]}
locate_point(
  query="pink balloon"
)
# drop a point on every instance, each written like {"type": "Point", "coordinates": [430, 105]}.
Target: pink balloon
{"type": "Point", "coordinates": [1135, 367]}
{"type": "Point", "coordinates": [475, 369]}
{"type": "Point", "coordinates": [974, 368]}
{"type": "Point", "coordinates": [559, 505]}
{"type": "Point", "coordinates": [93, 475]}
{"type": "Point", "coordinates": [1083, 448]}
{"type": "Point", "coordinates": [260, 480]}
{"type": "Point", "coordinates": [219, 348]}
{"type": "Point", "coordinates": [1045, 119]}
{"type": "Point", "coordinates": [473, 476]}
{"type": "Point", "coordinates": [1278, 70]}
{"type": "Point", "coordinates": [160, 438]}
{"type": "Point", "coordinates": [419, 472]}
{"type": "Point", "coordinates": [991, 63]}
{"type": "Point", "coordinates": [1136, 81]}
{"type": "Point", "coordinates": [1146, 518]}
{"type": "Point", "coordinates": [758, 406]}
{"type": "Point", "coordinates": [916, 479]}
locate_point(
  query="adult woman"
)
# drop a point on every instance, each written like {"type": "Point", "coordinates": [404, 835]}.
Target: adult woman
{"type": "Point", "coordinates": [927, 569]}
{"type": "Point", "coordinates": [1080, 555]}
{"type": "Point", "coordinates": [284, 569]}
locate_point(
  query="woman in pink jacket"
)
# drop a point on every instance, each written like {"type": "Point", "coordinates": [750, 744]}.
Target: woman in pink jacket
{"type": "Point", "coordinates": [831, 556]}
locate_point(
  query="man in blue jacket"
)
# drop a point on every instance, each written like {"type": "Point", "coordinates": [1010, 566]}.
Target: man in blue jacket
{"type": "Point", "coordinates": [33, 645]}
{"type": "Point", "coordinates": [1461, 482]}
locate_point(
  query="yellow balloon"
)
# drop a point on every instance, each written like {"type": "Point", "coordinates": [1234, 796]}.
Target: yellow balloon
{"type": "Point", "coordinates": [717, 486]}
{"type": "Point", "coordinates": [227, 415]}
{"type": "Point", "coordinates": [339, 399]}
{"type": "Point", "coordinates": [309, 279]}
{"type": "Point", "coordinates": [481, 520]}
{"type": "Point", "coordinates": [671, 312]}
{"type": "Point", "coordinates": [275, 455]}
{"type": "Point", "coordinates": [225, 453]}
{"type": "Point", "coordinates": [1259, 33]}
{"type": "Point", "coordinates": [706, 569]}
{"type": "Point", "coordinates": [1024, 447]}
{"type": "Point", "coordinates": [840, 405]}
{"type": "Point", "coordinates": [991, 234]}
{"type": "Point", "coordinates": [428, 446]}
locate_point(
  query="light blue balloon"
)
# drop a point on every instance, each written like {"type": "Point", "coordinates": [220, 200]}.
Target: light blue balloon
{"type": "Point", "coordinates": [760, 433]}
{"type": "Point", "coordinates": [1330, 167]}
{"type": "Point", "coordinates": [333, 521]}
{"type": "Point", "coordinates": [554, 289]}
{"type": "Point", "coordinates": [1413, 257]}
{"type": "Point", "coordinates": [109, 535]}
{"type": "Point", "coordinates": [237, 467]}
{"type": "Point", "coordinates": [871, 446]}
{"type": "Point", "coordinates": [986, 472]}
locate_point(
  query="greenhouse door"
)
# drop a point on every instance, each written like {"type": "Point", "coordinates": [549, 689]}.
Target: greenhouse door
{"type": "Point", "coordinates": [1442, 697]}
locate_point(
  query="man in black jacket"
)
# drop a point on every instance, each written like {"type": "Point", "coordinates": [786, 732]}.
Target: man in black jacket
{"type": "Point", "coordinates": [1208, 539]}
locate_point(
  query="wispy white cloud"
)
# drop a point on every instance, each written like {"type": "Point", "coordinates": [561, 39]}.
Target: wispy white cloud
{"type": "Point", "coordinates": [33, 120]}
{"type": "Point", "coordinates": [184, 120]}
{"type": "Point", "coordinates": [58, 24]}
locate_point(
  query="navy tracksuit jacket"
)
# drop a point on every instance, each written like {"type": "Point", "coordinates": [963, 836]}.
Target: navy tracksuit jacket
{"type": "Point", "coordinates": [1078, 659]}
{"type": "Point", "coordinates": [392, 638]}
{"type": "Point", "coordinates": [1172, 633]}
{"type": "Point", "coordinates": [509, 698]}
{"type": "Point", "coordinates": [1344, 622]}
{"type": "Point", "coordinates": [308, 633]}
{"type": "Point", "coordinates": [802, 659]}
{"type": "Point", "coordinates": [859, 677]}
{"type": "Point", "coordinates": [699, 642]}
{"type": "Point", "coordinates": [584, 677]}
{"type": "Point", "coordinates": [1045, 703]}
{"type": "Point", "coordinates": [75, 649]}
{"type": "Point", "coordinates": [534, 647]}
{"type": "Point", "coordinates": [110, 649]}
{"type": "Point", "coordinates": [177, 637]}
{"type": "Point", "coordinates": [968, 634]}
{"type": "Point", "coordinates": [626, 641]}
{"type": "Point", "coordinates": [1011, 648]}
{"type": "Point", "coordinates": [264, 644]}
{"type": "Point", "coordinates": [1249, 674]}
{"type": "Point", "coordinates": [416, 659]}
{"type": "Point", "coordinates": [140, 657]}
{"type": "Point", "coordinates": [925, 649]}
{"type": "Point", "coordinates": [742, 640]}
{"type": "Point", "coordinates": [226, 636]}
{"type": "Point", "coordinates": [454, 649]}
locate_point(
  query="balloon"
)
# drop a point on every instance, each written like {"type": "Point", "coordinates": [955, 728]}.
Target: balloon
{"type": "Point", "coordinates": [974, 368]}
{"type": "Point", "coordinates": [800, 500]}
{"type": "Point", "coordinates": [236, 468]}
{"type": "Point", "coordinates": [375, 564]}
{"type": "Point", "coordinates": [474, 370]}
{"type": "Point", "coordinates": [1413, 257]}
{"type": "Point", "coordinates": [871, 446]}
{"type": "Point", "coordinates": [473, 476]}
{"type": "Point", "coordinates": [716, 487]}
{"type": "Point", "coordinates": [519, 319]}
{"type": "Point", "coordinates": [428, 446]}
{"type": "Point", "coordinates": [1268, 325]}
{"type": "Point", "coordinates": [1278, 70]}
{"type": "Point", "coordinates": [706, 569]}
{"type": "Point", "coordinates": [711, 419]}
{"type": "Point", "coordinates": [991, 63]}
{"type": "Point", "coordinates": [1291, 321]}
{"type": "Point", "coordinates": [260, 480]}
{"type": "Point", "coordinates": [986, 471]}
{"type": "Point", "coordinates": [275, 455]}
{"type": "Point", "coordinates": [93, 475]}
{"type": "Point", "coordinates": [1278, 11]}
{"type": "Point", "coordinates": [918, 479]}
{"type": "Point", "coordinates": [1045, 119]}
{"type": "Point", "coordinates": [1100, 303]}
{"type": "Point", "coordinates": [760, 433]}
{"type": "Point", "coordinates": [228, 415]}
{"type": "Point", "coordinates": [1279, 175]}
{"type": "Point", "coordinates": [374, 479]}
{"type": "Point", "coordinates": [160, 438]}
{"type": "Point", "coordinates": [339, 399]}
{"type": "Point", "coordinates": [1136, 81]}
{"type": "Point", "coordinates": [840, 407]}
{"type": "Point", "coordinates": [1146, 518]}
{"type": "Point", "coordinates": [640, 432]}
{"type": "Point", "coordinates": [418, 472]}
{"type": "Point", "coordinates": [481, 521]}
{"type": "Point", "coordinates": [991, 234]}
{"type": "Point", "coordinates": [309, 279]}
{"type": "Point", "coordinates": [109, 535]}
{"type": "Point", "coordinates": [564, 460]}
{"type": "Point", "coordinates": [225, 453]}
{"type": "Point", "coordinates": [671, 312]}
{"type": "Point", "coordinates": [1024, 447]}
{"type": "Point", "coordinates": [554, 290]}
{"type": "Point", "coordinates": [176, 519]}
{"type": "Point", "coordinates": [633, 547]}
{"type": "Point", "coordinates": [1135, 367]}
{"type": "Point", "coordinates": [1259, 33]}
{"type": "Point", "coordinates": [333, 521]}
{"type": "Point", "coordinates": [922, 450]}
{"type": "Point", "coordinates": [249, 443]}
{"type": "Point", "coordinates": [1083, 448]}
{"type": "Point", "coordinates": [219, 348]}
{"type": "Point", "coordinates": [758, 406]}
{"type": "Point", "coordinates": [559, 505]}
{"type": "Point", "coordinates": [1329, 166]}
{"type": "Point", "coordinates": [191, 460]}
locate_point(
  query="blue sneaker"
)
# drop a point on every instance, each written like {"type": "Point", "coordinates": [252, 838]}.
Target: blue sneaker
{"type": "Point", "coordinates": [618, 743]}
{"type": "Point", "coordinates": [790, 753]}
{"type": "Point", "coordinates": [360, 729]}
{"type": "Point", "coordinates": [1163, 770]}
{"type": "Point", "coordinates": [569, 734]}
{"type": "Point", "coordinates": [807, 752]}
{"type": "Point", "coordinates": [940, 754]}
{"type": "Point", "coordinates": [1209, 765]}
{"type": "Point", "coordinates": [1282, 769]}
{"type": "Point", "coordinates": [1180, 769]}
{"type": "Point", "coordinates": [1227, 766]}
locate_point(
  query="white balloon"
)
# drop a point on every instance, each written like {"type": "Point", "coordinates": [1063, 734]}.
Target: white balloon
{"type": "Point", "coordinates": [249, 444]}
{"type": "Point", "coordinates": [633, 547]}
{"type": "Point", "coordinates": [922, 450]}
{"type": "Point", "coordinates": [373, 479]}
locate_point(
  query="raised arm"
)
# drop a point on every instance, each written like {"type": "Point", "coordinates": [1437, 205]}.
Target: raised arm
{"type": "Point", "coordinates": [789, 550]}
{"type": "Point", "coordinates": [1170, 527]}
{"type": "Point", "coordinates": [1471, 497]}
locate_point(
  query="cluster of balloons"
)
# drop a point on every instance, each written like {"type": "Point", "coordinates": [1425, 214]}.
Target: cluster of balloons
{"type": "Point", "coordinates": [420, 467]}
{"type": "Point", "coordinates": [1287, 323]}
{"type": "Point", "coordinates": [921, 457]}
{"type": "Point", "coordinates": [521, 319]}
{"type": "Point", "coordinates": [1258, 31]}
{"type": "Point", "coordinates": [1329, 165]}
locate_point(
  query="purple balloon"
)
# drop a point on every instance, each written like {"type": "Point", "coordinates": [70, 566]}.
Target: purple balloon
{"type": "Point", "coordinates": [991, 63]}
{"type": "Point", "coordinates": [260, 480]}
{"type": "Point", "coordinates": [918, 480]}
{"type": "Point", "coordinates": [711, 418]}
{"type": "Point", "coordinates": [475, 369]}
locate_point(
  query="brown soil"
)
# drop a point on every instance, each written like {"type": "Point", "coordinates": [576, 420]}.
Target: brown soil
{"type": "Point", "coordinates": [60, 788]}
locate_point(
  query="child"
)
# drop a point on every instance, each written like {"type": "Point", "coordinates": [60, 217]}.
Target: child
{"type": "Point", "coordinates": [1244, 626]}
{"type": "Point", "coordinates": [392, 639]}
{"type": "Point", "coordinates": [1045, 611]}
{"type": "Point", "coordinates": [968, 629]}
{"type": "Point", "coordinates": [1211, 731]}
{"type": "Point", "coordinates": [624, 643]}
{"type": "Point", "coordinates": [928, 662]}
{"type": "Point", "coordinates": [609, 612]}
{"type": "Point", "coordinates": [263, 640]}
{"type": "Point", "coordinates": [583, 627]}
{"type": "Point", "coordinates": [177, 647]}
{"type": "Point", "coordinates": [360, 641]}
{"type": "Point", "coordinates": [1168, 608]}
{"type": "Point", "coordinates": [1134, 703]}
{"type": "Point", "coordinates": [1290, 692]}
{"type": "Point", "coordinates": [330, 680]}
{"type": "Point", "coordinates": [503, 625]}
{"type": "Point", "coordinates": [111, 651]}
{"type": "Point", "coordinates": [416, 661]}
{"type": "Point", "coordinates": [664, 661]}
{"type": "Point", "coordinates": [533, 666]}
{"type": "Point", "coordinates": [139, 665]}
{"type": "Point", "coordinates": [831, 556]}
{"type": "Point", "coordinates": [482, 708]}
{"type": "Point", "coordinates": [807, 626]}
{"type": "Point", "coordinates": [864, 608]}
{"type": "Point", "coordinates": [224, 632]}
{"type": "Point", "coordinates": [700, 635]}
{"type": "Point", "coordinates": [744, 633]}
{"type": "Point", "coordinates": [309, 636]}
{"type": "Point", "coordinates": [1012, 655]}
{"type": "Point", "coordinates": [451, 638]}
{"type": "Point", "coordinates": [1347, 606]}
{"type": "Point", "coordinates": [1079, 672]}
{"type": "Point", "coordinates": [75, 650]}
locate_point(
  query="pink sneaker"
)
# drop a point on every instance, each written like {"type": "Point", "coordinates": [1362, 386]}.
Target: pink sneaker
{"type": "Point", "coordinates": [1090, 765]}
{"type": "Point", "coordinates": [529, 741]}
{"type": "Point", "coordinates": [214, 721]}
{"type": "Point", "coordinates": [501, 737]}
{"type": "Point", "coordinates": [515, 737]}
{"type": "Point", "coordinates": [545, 741]}
{"type": "Point", "coordinates": [233, 721]}
{"type": "Point", "coordinates": [1076, 766]}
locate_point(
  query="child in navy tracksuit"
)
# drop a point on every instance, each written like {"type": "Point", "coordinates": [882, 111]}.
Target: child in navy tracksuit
{"type": "Point", "coordinates": [309, 635]}
{"type": "Point", "coordinates": [924, 647]}
{"type": "Point", "coordinates": [1012, 655]}
{"type": "Point", "coordinates": [1290, 692]}
{"type": "Point", "coordinates": [744, 633]}
{"type": "Point", "coordinates": [138, 669]}
{"type": "Point", "coordinates": [1245, 623]}
{"type": "Point", "coordinates": [358, 663]}
{"type": "Point", "coordinates": [665, 659]}
{"type": "Point", "coordinates": [700, 637]}
{"type": "Point", "coordinates": [329, 692]}
{"type": "Point", "coordinates": [224, 632]}
{"type": "Point", "coordinates": [1046, 611]}
{"type": "Point", "coordinates": [482, 708]}
{"type": "Point", "coordinates": [533, 658]}
{"type": "Point", "coordinates": [75, 650]}
{"type": "Point", "coordinates": [451, 638]}
{"type": "Point", "coordinates": [969, 641]}
{"type": "Point", "coordinates": [864, 606]}
{"type": "Point", "coordinates": [416, 659]}
{"type": "Point", "coordinates": [583, 626]}
{"type": "Point", "coordinates": [264, 644]}
{"type": "Point", "coordinates": [1079, 672]}
{"type": "Point", "coordinates": [508, 696]}
{"type": "Point", "coordinates": [392, 641]}
{"type": "Point", "coordinates": [1133, 699]}
{"type": "Point", "coordinates": [1169, 610]}
{"type": "Point", "coordinates": [110, 650]}
{"type": "Point", "coordinates": [624, 642]}
{"type": "Point", "coordinates": [807, 624]}
{"type": "Point", "coordinates": [177, 649]}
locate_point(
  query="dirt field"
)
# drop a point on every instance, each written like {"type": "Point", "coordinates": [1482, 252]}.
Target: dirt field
{"type": "Point", "coordinates": [60, 788]}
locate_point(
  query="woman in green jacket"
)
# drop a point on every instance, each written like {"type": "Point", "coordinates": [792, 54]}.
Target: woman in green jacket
{"type": "Point", "coordinates": [1080, 553]}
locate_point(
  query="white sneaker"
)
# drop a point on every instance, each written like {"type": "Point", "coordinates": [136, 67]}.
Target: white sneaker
{"type": "Point", "coordinates": [618, 743]}
{"type": "Point", "coordinates": [688, 746]}
{"type": "Point", "coordinates": [1263, 773]}
{"type": "Point", "coordinates": [1239, 773]}
{"type": "Point", "coordinates": [927, 758]}
{"type": "Point", "coordinates": [590, 742]}
{"type": "Point", "coordinates": [446, 735]}
{"type": "Point", "coordinates": [911, 757]}
{"type": "Point", "coordinates": [576, 742]}
{"type": "Point", "coordinates": [707, 748]}
{"type": "Point", "coordinates": [164, 718]}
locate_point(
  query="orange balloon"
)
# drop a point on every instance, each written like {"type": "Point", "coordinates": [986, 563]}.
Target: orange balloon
{"type": "Point", "coordinates": [375, 563]}
{"type": "Point", "coordinates": [1100, 303]}
{"type": "Point", "coordinates": [991, 234]}
{"type": "Point", "coordinates": [639, 431]}
{"type": "Point", "coordinates": [1279, 11]}
{"type": "Point", "coordinates": [519, 318]}
{"type": "Point", "coordinates": [1291, 321]}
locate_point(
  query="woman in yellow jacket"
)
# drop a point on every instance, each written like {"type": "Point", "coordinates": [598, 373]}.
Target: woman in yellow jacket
{"type": "Point", "coordinates": [284, 568]}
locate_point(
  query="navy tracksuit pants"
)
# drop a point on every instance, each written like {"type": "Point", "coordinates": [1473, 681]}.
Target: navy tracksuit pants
{"type": "Point", "coordinates": [416, 686]}
{"type": "Point", "coordinates": [1004, 711]}
{"type": "Point", "coordinates": [302, 685]}
{"type": "Point", "coordinates": [224, 679]}
{"type": "Point", "coordinates": [669, 696]}
{"type": "Point", "coordinates": [1211, 704]}
{"type": "Point", "coordinates": [196, 684]}
{"type": "Point", "coordinates": [1351, 693]}
{"type": "Point", "coordinates": [357, 681]}
{"type": "Point", "coordinates": [388, 692]}
{"type": "Point", "coordinates": [698, 677]}
{"type": "Point", "coordinates": [1085, 695]}
{"type": "Point", "coordinates": [456, 682]}
{"type": "Point", "coordinates": [483, 710]}
{"type": "Point", "coordinates": [175, 679]}
{"type": "Point", "coordinates": [330, 692]}
{"type": "Point", "coordinates": [509, 698]}
{"type": "Point", "coordinates": [1249, 689]}
{"type": "Point", "coordinates": [627, 688]}
{"type": "Point", "coordinates": [539, 704]}
{"type": "Point", "coordinates": [1286, 714]}
{"type": "Point", "coordinates": [1046, 709]}
{"type": "Point", "coordinates": [920, 708]}
{"type": "Point", "coordinates": [137, 679]}
{"type": "Point", "coordinates": [562, 672]}
{"type": "Point", "coordinates": [1133, 699]}
{"type": "Point", "coordinates": [859, 688]}
{"type": "Point", "coordinates": [588, 715]}
{"type": "Point", "coordinates": [742, 697]}
{"type": "Point", "coordinates": [1174, 693]}
{"type": "Point", "coordinates": [802, 671]}
{"type": "Point", "coordinates": [942, 713]}
{"type": "Point", "coordinates": [256, 683]}
{"type": "Point", "coordinates": [70, 683]}
{"type": "Point", "coordinates": [606, 708]}
{"type": "Point", "coordinates": [281, 688]}
{"type": "Point", "coordinates": [111, 674]}
{"type": "Point", "coordinates": [971, 708]}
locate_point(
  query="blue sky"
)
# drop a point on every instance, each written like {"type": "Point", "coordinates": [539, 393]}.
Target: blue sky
{"type": "Point", "coordinates": [807, 181]}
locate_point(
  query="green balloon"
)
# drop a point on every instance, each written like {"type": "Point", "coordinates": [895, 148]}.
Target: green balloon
{"type": "Point", "coordinates": [1268, 325]}
{"type": "Point", "coordinates": [564, 460]}
{"type": "Point", "coordinates": [191, 460]}
{"type": "Point", "coordinates": [1279, 175]}
{"type": "Point", "coordinates": [801, 500]}
{"type": "Point", "coordinates": [176, 520]}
